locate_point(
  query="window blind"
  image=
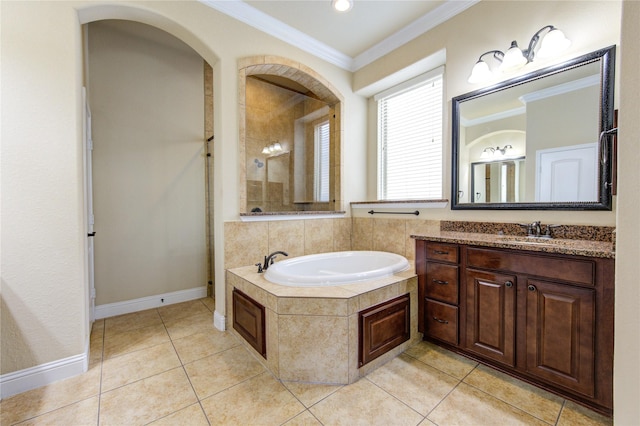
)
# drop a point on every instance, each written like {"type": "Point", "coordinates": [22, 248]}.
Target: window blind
{"type": "Point", "coordinates": [321, 175]}
{"type": "Point", "coordinates": [410, 139]}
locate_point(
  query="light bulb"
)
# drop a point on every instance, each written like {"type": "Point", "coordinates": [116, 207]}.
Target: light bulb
{"type": "Point", "coordinates": [513, 58]}
{"type": "Point", "coordinates": [480, 73]}
{"type": "Point", "coordinates": [553, 43]}
{"type": "Point", "coordinates": [342, 5]}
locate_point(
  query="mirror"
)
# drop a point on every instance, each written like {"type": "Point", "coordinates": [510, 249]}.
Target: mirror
{"type": "Point", "coordinates": [535, 142]}
{"type": "Point", "coordinates": [290, 142]}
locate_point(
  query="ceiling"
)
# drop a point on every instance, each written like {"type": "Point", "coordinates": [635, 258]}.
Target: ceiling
{"type": "Point", "coordinates": [351, 40]}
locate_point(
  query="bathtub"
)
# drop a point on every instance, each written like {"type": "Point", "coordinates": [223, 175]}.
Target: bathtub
{"type": "Point", "coordinates": [337, 268]}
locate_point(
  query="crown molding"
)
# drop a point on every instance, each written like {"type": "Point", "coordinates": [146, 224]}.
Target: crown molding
{"type": "Point", "coordinates": [255, 18]}
{"type": "Point", "coordinates": [415, 29]}
{"type": "Point", "coordinates": [259, 20]}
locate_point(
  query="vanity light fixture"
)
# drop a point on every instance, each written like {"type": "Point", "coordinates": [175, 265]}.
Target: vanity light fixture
{"type": "Point", "coordinates": [553, 42]}
{"type": "Point", "coordinates": [271, 149]}
{"type": "Point", "coordinates": [495, 152]}
{"type": "Point", "coordinates": [342, 5]}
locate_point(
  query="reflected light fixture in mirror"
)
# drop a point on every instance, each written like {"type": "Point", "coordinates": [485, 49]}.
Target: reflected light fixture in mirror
{"type": "Point", "coordinates": [274, 148]}
{"type": "Point", "coordinates": [553, 42]}
{"type": "Point", "coordinates": [342, 5]}
{"type": "Point", "coordinates": [496, 152]}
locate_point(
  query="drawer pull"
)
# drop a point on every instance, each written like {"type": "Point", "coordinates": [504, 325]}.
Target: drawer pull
{"type": "Point", "coordinates": [508, 284]}
{"type": "Point", "coordinates": [441, 321]}
{"type": "Point", "coordinates": [440, 282]}
{"type": "Point", "coordinates": [531, 288]}
{"type": "Point", "coordinates": [440, 252]}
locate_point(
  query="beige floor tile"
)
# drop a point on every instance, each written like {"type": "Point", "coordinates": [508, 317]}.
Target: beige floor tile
{"type": "Point", "coordinates": [132, 321]}
{"type": "Point", "coordinates": [209, 302]}
{"type": "Point", "coordinates": [576, 415]}
{"type": "Point", "coordinates": [218, 372]}
{"type": "Point", "coordinates": [535, 401]}
{"type": "Point", "coordinates": [363, 403]}
{"type": "Point", "coordinates": [416, 384]}
{"type": "Point", "coordinates": [442, 359]}
{"type": "Point", "coordinates": [78, 414]}
{"type": "Point", "coordinates": [467, 405]}
{"type": "Point", "coordinates": [134, 340]}
{"type": "Point", "coordinates": [201, 345]}
{"type": "Point", "coordinates": [97, 328]}
{"type": "Point", "coordinates": [134, 366]}
{"type": "Point", "coordinates": [96, 344]}
{"type": "Point", "coordinates": [186, 326]}
{"type": "Point", "coordinates": [262, 400]}
{"type": "Point", "coordinates": [147, 400]}
{"type": "Point", "coordinates": [191, 416]}
{"type": "Point", "coordinates": [183, 310]}
{"type": "Point", "coordinates": [303, 419]}
{"type": "Point", "coordinates": [310, 393]}
{"type": "Point", "coordinates": [427, 422]}
{"type": "Point", "coordinates": [48, 398]}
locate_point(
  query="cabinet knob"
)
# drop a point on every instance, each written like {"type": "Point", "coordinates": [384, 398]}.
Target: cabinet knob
{"type": "Point", "coordinates": [441, 321]}
{"type": "Point", "coordinates": [508, 284]}
{"type": "Point", "coordinates": [440, 282]}
{"type": "Point", "coordinates": [531, 288]}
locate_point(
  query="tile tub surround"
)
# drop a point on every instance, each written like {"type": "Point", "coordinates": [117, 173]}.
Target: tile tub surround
{"type": "Point", "coordinates": [312, 332]}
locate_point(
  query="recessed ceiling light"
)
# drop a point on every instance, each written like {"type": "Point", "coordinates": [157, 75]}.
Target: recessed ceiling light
{"type": "Point", "coordinates": [342, 5]}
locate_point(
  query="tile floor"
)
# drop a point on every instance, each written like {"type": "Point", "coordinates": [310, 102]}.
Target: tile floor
{"type": "Point", "coordinates": [169, 366]}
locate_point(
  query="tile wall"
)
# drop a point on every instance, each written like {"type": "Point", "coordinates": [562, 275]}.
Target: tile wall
{"type": "Point", "coordinates": [246, 243]}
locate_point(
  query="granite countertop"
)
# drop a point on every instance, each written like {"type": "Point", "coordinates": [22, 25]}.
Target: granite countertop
{"type": "Point", "coordinates": [577, 247]}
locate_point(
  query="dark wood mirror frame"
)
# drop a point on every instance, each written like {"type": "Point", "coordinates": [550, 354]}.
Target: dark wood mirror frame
{"type": "Point", "coordinates": [605, 147]}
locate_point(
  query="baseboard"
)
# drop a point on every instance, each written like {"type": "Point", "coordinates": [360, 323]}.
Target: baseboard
{"type": "Point", "coordinates": [219, 321]}
{"type": "Point", "coordinates": [149, 302]}
{"type": "Point", "coordinates": [43, 374]}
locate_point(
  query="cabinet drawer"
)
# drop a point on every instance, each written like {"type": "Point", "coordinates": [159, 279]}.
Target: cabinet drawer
{"type": "Point", "coordinates": [443, 252]}
{"type": "Point", "coordinates": [442, 282]}
{"type": "Point", "coordinates": [441, 321]}
{"type": "Point", "coordinates": [580, 271]}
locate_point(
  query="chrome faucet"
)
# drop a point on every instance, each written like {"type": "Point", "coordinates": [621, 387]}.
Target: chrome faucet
{"type": "Point", "coordinates": [268, 260]}
{"type": "Point", "coordinates": [536, 229]}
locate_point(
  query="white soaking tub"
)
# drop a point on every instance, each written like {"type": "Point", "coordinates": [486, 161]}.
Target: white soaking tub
{"type": "Point", "coordinates": [336, 268]}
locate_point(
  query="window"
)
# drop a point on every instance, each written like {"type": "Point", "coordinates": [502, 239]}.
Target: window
{"type": "Point", "coordinates": [410, 139]}
{"type": "Point", "coordinates": [321, 174]}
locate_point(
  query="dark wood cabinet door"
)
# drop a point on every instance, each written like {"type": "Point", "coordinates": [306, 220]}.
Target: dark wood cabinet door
{"type": "Point", "coordinates": [491, 304]}
{"type": "Point", "coordinates": [560, 334]}
{"type": "Point", "coordinates": [383, 327]}
{"type": "Point", "coordinates": [249, 321]}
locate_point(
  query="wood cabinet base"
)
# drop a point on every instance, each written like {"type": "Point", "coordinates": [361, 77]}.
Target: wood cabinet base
{"type": "Point", "coordinates": [545, 318]}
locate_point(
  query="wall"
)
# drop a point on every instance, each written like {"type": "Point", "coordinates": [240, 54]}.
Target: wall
{"type": "Point", "coordinates": [44, 295]}
{"type": "Point", "coordinates": [485, 26]}
{"type": "Point", "coordinates": [146, 94]}
{"type": "Point", "coordinates": [626, 379]}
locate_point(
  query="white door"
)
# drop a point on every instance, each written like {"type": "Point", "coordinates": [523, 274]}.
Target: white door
{"type": "Point", "coordinates": [88, 185]}
{"type": "Point", "coordinates": [567, 174]}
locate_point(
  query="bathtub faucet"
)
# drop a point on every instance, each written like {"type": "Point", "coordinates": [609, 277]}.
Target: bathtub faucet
{"type": "Point", "coordinates": [268, 260]}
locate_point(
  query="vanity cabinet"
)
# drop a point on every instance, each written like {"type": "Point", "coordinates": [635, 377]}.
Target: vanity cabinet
{"type": "Point", "coordinates": [546, 318]}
